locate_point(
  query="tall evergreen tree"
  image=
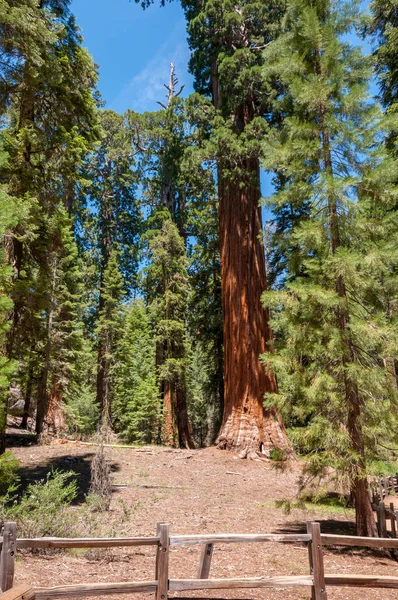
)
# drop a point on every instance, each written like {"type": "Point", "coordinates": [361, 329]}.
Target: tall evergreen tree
{"type": "Point", "coordinates": [226, 40]}
{"type": "Point", "coordinates": [109, 328]}
{"type": "Point", "coordinates": [175, 179]}
{"type": "Point", "coordinates": [335, 332]}
{"type": "Point", "coordinates": [206, 373]}
{"type": "Point", "coordinates": [110, 219]}
{"type": "Point", "coordinates": [50, 122]}
{"type": "Point", "coordinates": [166, 284]}
{"type": "Point", "coordinates": [384, 27]}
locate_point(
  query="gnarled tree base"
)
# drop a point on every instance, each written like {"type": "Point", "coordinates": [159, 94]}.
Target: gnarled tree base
{"type": "Point", "coordinates": [254, 436]}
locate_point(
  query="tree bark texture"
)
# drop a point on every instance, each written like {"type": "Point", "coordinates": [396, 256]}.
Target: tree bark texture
{"type": "Point", "coordinates": [246, 427]}
{"type": "Point", "coordinates": [54, 421]}
{"type": "Point", "coordinates": [168, 426]}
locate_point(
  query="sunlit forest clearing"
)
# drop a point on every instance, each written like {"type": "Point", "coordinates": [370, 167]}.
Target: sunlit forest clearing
{"type": "Point", "coordinates": [195, 491]}
{"type": "Point", "coordinates": [176, 345]}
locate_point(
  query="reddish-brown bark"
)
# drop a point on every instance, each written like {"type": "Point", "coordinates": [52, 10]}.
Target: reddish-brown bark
{"type": "Point", "coordinates": [168, 437]}
{"type": "Point", "coordinates": [246, 427]}
{"type": "Point", "coordinates": [54, 421]}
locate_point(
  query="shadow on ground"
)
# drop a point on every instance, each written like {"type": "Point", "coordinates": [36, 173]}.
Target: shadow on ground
{"type": "Point", "coordinates": [80, 465]}
{"type": "Point", "coordinates": [337, 527]}
{"type": "Point", "coordinates": [16, 439]}
{"type": "Point", "coordinates": [333, 526]}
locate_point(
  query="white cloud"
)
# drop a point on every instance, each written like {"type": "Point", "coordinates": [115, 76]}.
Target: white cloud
{"type": "Point", "coordinates": [146, 88]}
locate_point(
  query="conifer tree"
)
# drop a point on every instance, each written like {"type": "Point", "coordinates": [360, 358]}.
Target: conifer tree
{"type": "Point", "coordinates": [110, 219]}
{"type": "Point", "coordinates": [205, 370]}
{"type": "Point", "coordinates": [64, 343]}
{"type": "Point", "coordinates": [166, 285]}
{"type": "Point", "coordinates": [175, 178]}
{"type": "Point", "coordinates": [226, 39]}
{"type": "Point", "coordinates": [332, 323]}
{"type": "Point", "coordinates": [108, 332]}
{"type": "Point", "coordinates": [11, 213]}
{"type": "Point", "coordinates": [384, 28]}
{"type": "Point", "coordinates": [50, 122]}
{"type": "Point", "coordinates": [136, 405]}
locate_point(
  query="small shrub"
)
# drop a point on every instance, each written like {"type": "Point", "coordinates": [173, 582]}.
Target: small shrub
{"type": "Point", "coordinates": [9, 468]}
{"type": "Point", "coordinates": [101, 483]}
{"type": "Point", "coordinates": [42, 509]}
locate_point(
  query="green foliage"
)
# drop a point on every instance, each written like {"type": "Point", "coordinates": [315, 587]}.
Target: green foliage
{"type": "Point", "coordinates": [82, 412]}
{"type": "Point", "coordinates": [42, 510]}
{"type": "Point", "coordinates": [136, 407]}
{"type": "Point", "coordinates": [205, 323]}
{"type": "Point", "coordinates": [335, 321]}
{"type": "Point", "coordinates": [384, 27]}
{"type": "Point", "coordinates": [166, 278]}
{"type": "Point", "coordinates": [9, 469]}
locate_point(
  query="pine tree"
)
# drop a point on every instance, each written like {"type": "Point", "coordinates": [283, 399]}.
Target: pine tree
{"type": "Point", "coordinates": [136, 405]}
{"type": "Point", "coordinates": [167, 288]}
{"type": "Point", "coordinates": [109, 328]}
{"type": "Point", "coordinates": [205, 369]}
{"type": "Point", "coordinates": [110, 219]}
{"type": "Point", "coordinates": [50, 122]}
{"type": "Point", "coordinates": [331, 317]}
{"type": "Point", "coordinates": [66, 337]}
{"type": "Point", "coordinates": [11, 213]}
{"type": "Point", "coordinates": [175, 179]}
{"type": "Point", "coordinates": [384, 28]}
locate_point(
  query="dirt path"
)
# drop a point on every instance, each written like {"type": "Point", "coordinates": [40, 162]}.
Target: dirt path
{"type": "Point", "coordinates": [202, 491]}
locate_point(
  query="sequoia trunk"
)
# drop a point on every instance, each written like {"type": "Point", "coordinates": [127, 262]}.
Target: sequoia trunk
{"type": "Point", "coordinates": [246, 427]}
{"type": "Point", "coordinates": [168, 428]}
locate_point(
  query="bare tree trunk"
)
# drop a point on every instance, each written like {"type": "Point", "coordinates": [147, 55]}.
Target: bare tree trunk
{"type": "Point", "coordinates": [42, 392]}
{"type": "Point", "coordinates": [54, 421]}
{"type": "Point", "coordinates": [184, 429]}
{"type": "Point", "coordinates": [28, 397]}
{"type": "Point", "coordinates": [246, 428]}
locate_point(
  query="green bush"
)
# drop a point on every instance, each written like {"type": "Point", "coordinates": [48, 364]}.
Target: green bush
{"type": "Point", "coordinates": [42, 509]}
{"type": "Point", "coordinates": [82, 412]}
{"type": "Point", "coordinates": [9, 468]}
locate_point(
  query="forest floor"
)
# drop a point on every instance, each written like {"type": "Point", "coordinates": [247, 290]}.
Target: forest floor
{"type": "Point", "coordinates": [200, 491]}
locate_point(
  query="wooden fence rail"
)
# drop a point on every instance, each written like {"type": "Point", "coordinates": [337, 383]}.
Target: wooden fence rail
{"type": "Point", "coordinates": [317, 580]}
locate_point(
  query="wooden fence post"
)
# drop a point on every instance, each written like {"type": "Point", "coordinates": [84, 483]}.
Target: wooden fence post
{"type": "Point", "coordinates": [162, 561]}
{"type": "Point", "coordinates": [205, 561]}
{"type": "Point", "coordinates": [381, 513]}
{"type": "Point", "coordinates": [317, 568]}
{"type": "Point", "coordinates": [7, 559]}
{"type": "Point", "coordinates": [393, 521]}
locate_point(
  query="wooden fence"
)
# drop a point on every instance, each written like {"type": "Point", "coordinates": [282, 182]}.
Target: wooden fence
{"type": "Point", "coordinates": [317, 580]}
{"type": "Point", "coordinates": [381, 490]}
{"type": "Point", "coordinates": [381, 487]}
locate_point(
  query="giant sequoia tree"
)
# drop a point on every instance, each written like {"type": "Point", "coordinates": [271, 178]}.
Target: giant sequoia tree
{"type": "Point", "coordinates": [227, 39]}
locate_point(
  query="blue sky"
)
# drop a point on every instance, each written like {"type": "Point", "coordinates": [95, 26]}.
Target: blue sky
{"type": "Point", "coordinates": [133, 48]}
